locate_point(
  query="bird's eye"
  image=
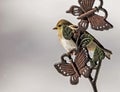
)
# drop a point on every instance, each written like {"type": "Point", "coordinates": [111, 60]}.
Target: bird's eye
{"type": "Point", "coordinates": [59, 25]}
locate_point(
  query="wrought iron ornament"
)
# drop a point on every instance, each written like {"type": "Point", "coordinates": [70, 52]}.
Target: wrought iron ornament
{"type": "Point", "coordinates": [75, 68]}
{"type": "Point", "coordinates": [87, 15]}
{"type": "Point", "coordinates": [82, 64]}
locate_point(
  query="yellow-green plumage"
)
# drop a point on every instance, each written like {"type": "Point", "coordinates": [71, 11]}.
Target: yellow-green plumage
{"type": "Point", "coordinates": [64, 35]}
{"type": "Point", "coordinates": [65, 31]}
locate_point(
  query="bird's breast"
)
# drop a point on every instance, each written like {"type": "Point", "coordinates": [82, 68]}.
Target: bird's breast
{"type": "Point", "coordinates": [68, 44]}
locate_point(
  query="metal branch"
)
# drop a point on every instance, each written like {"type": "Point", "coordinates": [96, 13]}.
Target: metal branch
{"type": "Point", "coordinates": [93, 84]}
{"type": "Point", "coordinates": [93, 81]}
{"type": "Point", "coordinates": [97, 72]}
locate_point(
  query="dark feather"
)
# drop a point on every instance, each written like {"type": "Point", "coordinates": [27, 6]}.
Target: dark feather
{"type": "Point", "coordinates": [96, 41]}
{"type": "Point", "coordinates": [67, 32]}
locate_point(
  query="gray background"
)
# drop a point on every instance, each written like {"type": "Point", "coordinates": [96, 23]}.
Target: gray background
{"type": "Point", "coordinates": [29, 47]}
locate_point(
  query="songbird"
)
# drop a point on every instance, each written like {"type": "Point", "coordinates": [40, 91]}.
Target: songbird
{"type": "Point", "coordinates": [66, 31]}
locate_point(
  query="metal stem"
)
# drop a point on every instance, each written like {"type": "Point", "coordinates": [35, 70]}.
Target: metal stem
{"type": "Point", "coordinates": [93, 81]}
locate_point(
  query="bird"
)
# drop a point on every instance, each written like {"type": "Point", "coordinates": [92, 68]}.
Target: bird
{"type": "Point", "coordinates": [64, 39]}
{"type": "Point", "coordinates": [66, 31]}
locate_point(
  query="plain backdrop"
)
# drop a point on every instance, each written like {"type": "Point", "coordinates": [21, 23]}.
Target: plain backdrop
{"type": "Point", "coordinates": [29, 47]}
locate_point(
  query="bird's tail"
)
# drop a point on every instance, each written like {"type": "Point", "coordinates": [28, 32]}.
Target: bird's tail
{"type": "Point", "coordinates": [108, 53]}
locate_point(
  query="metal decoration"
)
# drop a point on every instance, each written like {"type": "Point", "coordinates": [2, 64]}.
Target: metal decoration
{"type": "Point", "coordinates": [75, 68]}
{"type": "Point", "coordinates": [87, 15]}
{"type": "Point", "coordinates": [80, 64]}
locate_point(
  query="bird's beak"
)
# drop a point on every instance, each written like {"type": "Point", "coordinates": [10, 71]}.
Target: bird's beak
{"type": "Point", "coordinates": [55, 28]}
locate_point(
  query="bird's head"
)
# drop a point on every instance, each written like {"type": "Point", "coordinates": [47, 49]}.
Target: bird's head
{"type": "Point", "coordinates": [60, 24]}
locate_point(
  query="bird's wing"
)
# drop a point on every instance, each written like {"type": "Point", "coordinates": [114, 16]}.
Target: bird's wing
{"type": "Point", "coordinates": [95, 40]}
{"type": "Point", "coordinates": [67, 32]}
{"type": "Point", "coordinates": [85, 39]}
{"type": "Point", "coordinates": [72, 28]}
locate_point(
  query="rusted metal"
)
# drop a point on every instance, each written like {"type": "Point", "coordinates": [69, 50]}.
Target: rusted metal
{"type": "Point", "coordinates": [75, 68]}
{"type": "Point", "coordinates": [86, 12]}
